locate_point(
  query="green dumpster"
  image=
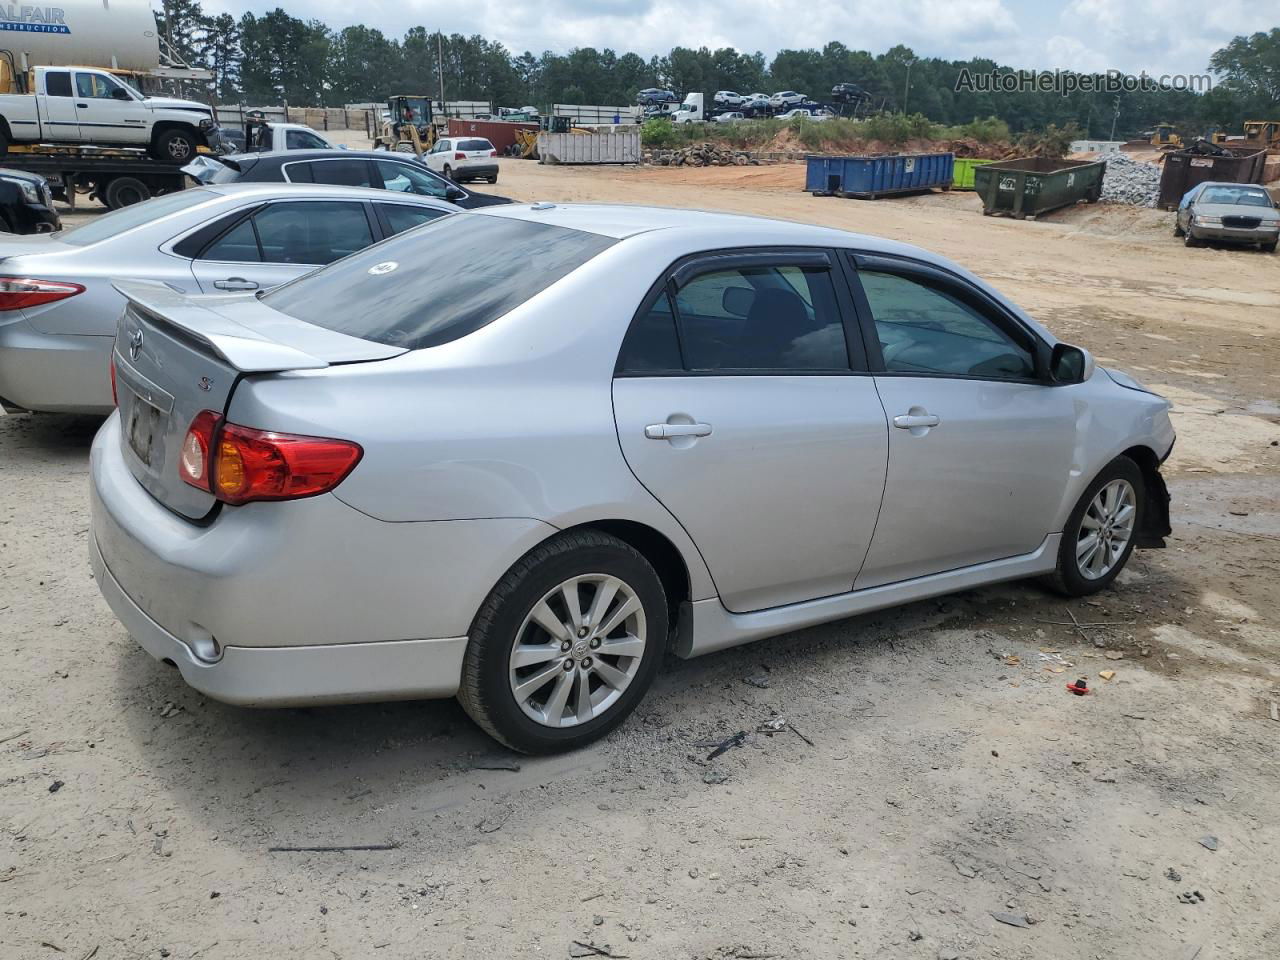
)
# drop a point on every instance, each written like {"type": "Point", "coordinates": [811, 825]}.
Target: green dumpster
{"type": "Point", "coordinates": [1030, 186]}
{"type": "Point", "coordinates": [964, 169]}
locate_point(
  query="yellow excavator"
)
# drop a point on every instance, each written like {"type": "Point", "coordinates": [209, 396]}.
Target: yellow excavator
{"type": "Point", "coordinates": [1263, 134]}
{"type": "Point", "coordinates": [407, 126]}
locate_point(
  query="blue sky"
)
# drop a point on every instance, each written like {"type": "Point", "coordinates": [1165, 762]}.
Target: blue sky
{"type": "Point", "coordinates": [1159, 36]}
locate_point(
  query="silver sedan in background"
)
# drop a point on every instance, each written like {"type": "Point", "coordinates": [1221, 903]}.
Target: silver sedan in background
{"type": "Point", "coordinates": [1228, 213]}
{"type": "Point", "coordinates": [515, 454]}
{"type": "Point", "coordinates": [58, 310]}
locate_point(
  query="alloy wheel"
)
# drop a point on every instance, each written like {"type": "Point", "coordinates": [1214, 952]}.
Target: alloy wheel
{"type": "Point", "coordinates": [1106, 529]}
{"type": "Point", "coordinates": [577, 650]}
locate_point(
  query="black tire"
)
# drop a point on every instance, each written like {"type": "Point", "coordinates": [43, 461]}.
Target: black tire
{"type": "Point", "coordinates": [1268, 247]}
{"type": "Point", "coordinates": [5, 225]}
{"type": "Point", "coordinates": [4, 141]}
{"type": "Point", "coordinates": [494, 179]}
{"type": "Point", "coordinates": [175, 145]}
{"type": "Point", "coordinates": [1177, 229]}
{"type": "Point", "coordinates": [124, 192]}
{"type": "Point", "coordinates": [486, 693]}
{"type": "Point", "coordinates": [448, 172]}
{"type": "Point", "coordinates": [1067, 579]}
{"type": "Point", "coordinates": [1189, 240]}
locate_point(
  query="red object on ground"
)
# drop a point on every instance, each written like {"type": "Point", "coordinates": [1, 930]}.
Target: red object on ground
{"type": "Point", "coordinates": [1079, 688]}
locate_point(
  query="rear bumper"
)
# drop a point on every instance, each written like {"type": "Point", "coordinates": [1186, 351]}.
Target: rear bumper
{"type": "Point", "coordinates": [303, 601]}
{"type": "Point", "coordinates": [473, 171]}
{"type": "Point", "coordinates": [53, 372]}
{"type": "Point", "coordinates": [285, 676]}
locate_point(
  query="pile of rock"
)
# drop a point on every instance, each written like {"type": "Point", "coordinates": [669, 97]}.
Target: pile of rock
{"type": "Point", "coordinates": [701, 155]}
{"type": "Point", "coordinates": [1130, 181]}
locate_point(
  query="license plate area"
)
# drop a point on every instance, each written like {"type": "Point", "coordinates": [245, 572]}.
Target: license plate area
{"type": "Point", "coordinates": [144, 426]}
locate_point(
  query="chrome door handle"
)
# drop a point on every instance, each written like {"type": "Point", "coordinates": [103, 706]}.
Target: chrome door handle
{"type": "Point", "coordinates": [235, 283]}
{"type": "Point", "coordinates": [666, 431]}
{"type": "Point", "coordinates": [907, 421]}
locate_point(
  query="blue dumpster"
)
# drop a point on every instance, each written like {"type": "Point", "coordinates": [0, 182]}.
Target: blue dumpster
{"type": "Point", "coordinates": [869, 177]}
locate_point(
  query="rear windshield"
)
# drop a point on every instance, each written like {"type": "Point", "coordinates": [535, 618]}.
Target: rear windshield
{"type": "Point", "coordinates": [226, 173]}
{"type": "Point", "coordinates": [437, 282]}
{"type": "Point", "coordinates": [111, 224]}
{"type": "Point", "coordinates": [474, 145]}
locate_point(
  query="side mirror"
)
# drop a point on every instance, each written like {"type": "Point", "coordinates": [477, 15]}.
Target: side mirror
{"type": "Point", "coordinates": [1068, 364]}
{"type": "Point", "coordinates": [118, 94]}
{"type": "Point", "coordinates": [454, 193]}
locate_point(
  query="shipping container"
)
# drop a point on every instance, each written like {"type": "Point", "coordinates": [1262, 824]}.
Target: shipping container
{"type": "Point", "coordinates": [611, 145]}
{"type": "Point", "coordinates": [1030, 186]}
{"type": "Point", "coordinates": [875, 176]}
{"type": "Point", "coordinates": [1185, 168]}
{"type": "Point", "coordinates": [501, 133]}
{"type": "Point", "coordinates": [964, 167]}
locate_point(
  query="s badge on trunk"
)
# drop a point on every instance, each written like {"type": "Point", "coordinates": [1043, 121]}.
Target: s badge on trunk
{"type": "Point", "coordinates": [206, 384]}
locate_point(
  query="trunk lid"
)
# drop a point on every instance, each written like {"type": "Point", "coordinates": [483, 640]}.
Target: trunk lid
{"type": "Point", "coordinates": [177, 355]}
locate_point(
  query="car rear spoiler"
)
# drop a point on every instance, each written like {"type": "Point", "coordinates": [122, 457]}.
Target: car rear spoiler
{"type": "Point", "coordinates": [246, 333]}
{"type": "Point", "coordinates": [205, 165]}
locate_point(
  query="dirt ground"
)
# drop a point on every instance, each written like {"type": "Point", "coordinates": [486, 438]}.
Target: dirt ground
{"type": "Point", "coordinates": [935, 773]}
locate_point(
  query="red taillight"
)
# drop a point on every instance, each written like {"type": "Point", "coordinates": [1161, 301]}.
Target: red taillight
{"type": "Point", "coordinates": [493, 153]}
{"type": "Point", "coordinates": [194, 460]}
{"type": "Point", "coordinates": [115, 400]}
{"type": "Point", "coordinates": [240, 464]}
{"type": "Point", "coordinates": [18, 292]}
{"type": "Point", "coordinates": [459, 155]}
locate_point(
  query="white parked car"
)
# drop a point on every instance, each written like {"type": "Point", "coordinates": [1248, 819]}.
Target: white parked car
{"type": "Point", "coordinates": [732, 117]}
{"type": "Point", "coordinates": [464, 158]}
{"type": "Point", "coordinates": [728, 98]}
{"type": "Point", "coordinates": [786, 98]}
{"type": "Point", "coordinates": [806, 114]}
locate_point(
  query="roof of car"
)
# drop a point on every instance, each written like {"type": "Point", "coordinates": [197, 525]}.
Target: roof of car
{"type": "Point", "coordinates": [274, 189]}
{"type": "Point", "coordinates": [318, 154]}
{"type": "Point", "coordinates": [621, 221]}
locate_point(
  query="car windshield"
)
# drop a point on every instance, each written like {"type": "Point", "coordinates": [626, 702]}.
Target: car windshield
{"type": "Point", "coordinates": [438, 282]}
{"type": "Point", "coordinates": [116, 222]}
{"type": "Point", "coordinates": [1250, 197]}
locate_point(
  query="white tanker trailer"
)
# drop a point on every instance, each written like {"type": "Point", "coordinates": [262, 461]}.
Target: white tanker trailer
{"type": "Point", "coordinates": [115, 34]}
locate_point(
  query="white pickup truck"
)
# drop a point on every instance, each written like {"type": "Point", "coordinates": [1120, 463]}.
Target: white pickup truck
{"type": "Point", "coordinates": [84, 105]}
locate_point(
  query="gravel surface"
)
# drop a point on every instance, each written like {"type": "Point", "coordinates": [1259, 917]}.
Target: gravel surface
{"type": "Point", "coordinates": [914, 784]}
{"type": "Point", "coordinates": [1130, 181]}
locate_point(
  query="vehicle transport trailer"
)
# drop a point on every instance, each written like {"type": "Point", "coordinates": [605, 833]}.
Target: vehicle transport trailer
{"type": "Point", "coordinates": [115, 177]}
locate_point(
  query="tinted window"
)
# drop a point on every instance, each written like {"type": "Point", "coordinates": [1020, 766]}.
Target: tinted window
{"type": "Point", "coordinates": [474, 145]}
{"type": "Point", "coordinates": [762, 318]}
{"type": "Point", "coordinates": [346, 173]}
{"type": "Point", "coordinates": [651, 345]}
{"type": "Point", "coordinates": [439, 282]}
{"type": "Point", "coordinates": [238, 245]}
{"type": "Point", "coordinates": [404, 178]}
{"type": "Point", "coordinates": [57, 84]}
{"type": "Point", "coordinates": [928, 329]}
{"type": "Point", "coordinates": [126, 218]}
{"type": "Point", "coordinates": [317, 231]}
{"type": "Point", "coordinates": [400, 217]}
{"type": "Point", "coordinates": [303, 140]}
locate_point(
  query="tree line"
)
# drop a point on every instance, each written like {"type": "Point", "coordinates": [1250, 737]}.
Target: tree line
{"type": "Point", "coordinates": [276, 57]}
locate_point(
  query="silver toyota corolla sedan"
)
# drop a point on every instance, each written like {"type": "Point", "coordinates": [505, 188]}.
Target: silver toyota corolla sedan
{"type": "Point", "coordinates": [58, 310]}
{"type": "Point", "coordinates": [516, 454]}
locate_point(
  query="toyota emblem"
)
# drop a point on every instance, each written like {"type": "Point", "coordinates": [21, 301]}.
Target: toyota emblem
{"type": "Point", "coordinates": [135, 345]}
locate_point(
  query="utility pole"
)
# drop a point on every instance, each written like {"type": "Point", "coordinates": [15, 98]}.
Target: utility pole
{"type": "Point", "coordinates": [440, 63]}
{"type": "Point", "coordinates": [906, 87]}
{"type": "Point", "coordinates": [1114, 117]}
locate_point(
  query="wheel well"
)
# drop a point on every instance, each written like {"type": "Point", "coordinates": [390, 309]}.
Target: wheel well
{"type": "Point", "coordinates": [166, 125]}
{"type": "Point", "coordinates": [659, 551]}
{"type": "Point", "coordinates": [1155, 519]}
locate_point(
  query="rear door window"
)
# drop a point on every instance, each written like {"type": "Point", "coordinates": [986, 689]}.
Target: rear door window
{"type": "Point", "coordinates": [344, 173]}
{"type": "Point", "coordinates": [779, 318]}
{"type": "Point", "coordinates": [440, 282]}
{"type": "Point", "coordinates": [312, 232]}
{"type": "Point", "coordinates": [57, 84]}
